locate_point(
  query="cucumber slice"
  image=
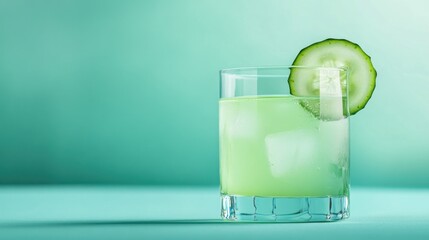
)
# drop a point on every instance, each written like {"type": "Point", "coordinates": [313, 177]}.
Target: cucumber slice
{"type": "Point", "coordinates": [336, 53]}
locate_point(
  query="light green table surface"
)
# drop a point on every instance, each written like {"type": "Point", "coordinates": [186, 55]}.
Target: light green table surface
{"type": "Point", "coordinates": [82, 212]}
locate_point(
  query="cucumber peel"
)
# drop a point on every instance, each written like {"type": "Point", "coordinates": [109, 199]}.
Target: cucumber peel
{"type": "Point", "coordinates": [336, 53]}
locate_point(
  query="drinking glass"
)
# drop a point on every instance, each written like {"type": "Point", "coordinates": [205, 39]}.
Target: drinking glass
{"type": "Point", "coordinates": [284, 144]}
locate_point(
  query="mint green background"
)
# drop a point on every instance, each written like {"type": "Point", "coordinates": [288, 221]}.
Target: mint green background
{"type": "Point", "coordinates": [125, 92]}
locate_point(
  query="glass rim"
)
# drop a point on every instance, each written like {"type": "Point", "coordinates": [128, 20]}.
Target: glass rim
{"type": "Point", "coordinates": [236, 70]}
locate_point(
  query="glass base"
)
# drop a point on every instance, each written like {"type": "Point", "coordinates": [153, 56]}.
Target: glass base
{"type": "Point", "coordinates": [284, 209]}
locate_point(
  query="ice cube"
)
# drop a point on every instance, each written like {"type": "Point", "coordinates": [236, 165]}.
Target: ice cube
{"type": "Point", "coordinates": [331, 108]}
{"type": "Point", "coordinates": [245, 123]}
{"type": "Point", "coordinates": [330, 82]}
{"type": "Point", "coordinates": [291, 149]}
{"type": "Point", "coordinates": [331, 101]}
{"type": "Point", "coordinates": [334, 138]}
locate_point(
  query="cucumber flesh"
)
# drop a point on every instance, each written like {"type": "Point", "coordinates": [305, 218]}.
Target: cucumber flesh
{"type": "Point", "coordinates": [336, 53]}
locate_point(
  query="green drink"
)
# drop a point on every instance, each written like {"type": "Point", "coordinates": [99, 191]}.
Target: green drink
{"type": "Point", "coordinates": [274, 147]}
{"type": "Point", "coordinates": [284, 134]}
{"type": "Point", "coordinates": [284, 156]}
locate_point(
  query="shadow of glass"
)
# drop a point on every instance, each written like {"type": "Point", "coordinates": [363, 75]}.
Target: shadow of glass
{"type": "Point", "coordinates": [78, 223]}
{"type": "Point", "coordinates": [145, 222]}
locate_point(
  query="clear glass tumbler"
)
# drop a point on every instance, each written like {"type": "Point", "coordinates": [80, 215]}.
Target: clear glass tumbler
{"type": "Point", "coordinates": [284, 144]}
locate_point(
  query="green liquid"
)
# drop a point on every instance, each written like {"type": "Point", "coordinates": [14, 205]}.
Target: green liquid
{"type": "Point", "coordinates": [273, 146]}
